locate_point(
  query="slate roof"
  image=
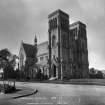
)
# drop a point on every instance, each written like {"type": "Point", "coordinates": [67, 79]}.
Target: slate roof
{"type": "Point", "coordinates": [29, 50]}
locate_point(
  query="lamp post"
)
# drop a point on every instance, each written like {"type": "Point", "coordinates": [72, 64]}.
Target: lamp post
{"type": "Point", "coordinates": [61, 69]}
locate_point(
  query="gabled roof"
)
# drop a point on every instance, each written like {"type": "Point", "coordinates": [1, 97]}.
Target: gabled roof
{"type": "Point", "coordinates": [29, 49]}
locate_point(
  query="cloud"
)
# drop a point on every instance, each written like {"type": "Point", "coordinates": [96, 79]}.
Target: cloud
{"type": "Point", "coordinates": [93, 7]}
{"type": "Point", "coordinates": [93, 12]}
{"type": "Point", "coordinates": [13, 17]}
{"type": "Point", "coordinates": [96, 61]}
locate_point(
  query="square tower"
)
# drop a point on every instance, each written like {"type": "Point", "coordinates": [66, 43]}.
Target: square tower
{"type": "Point", "coordinates": [81, 64]}
{"type": "Point", "coordinates": [58, 44]}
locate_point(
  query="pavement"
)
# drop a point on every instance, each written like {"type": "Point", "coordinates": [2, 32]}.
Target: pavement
{"type": "Point", "coordinates": [21, 91]}
{"type": "Point", "coordinates": [55, 94]}
{"type": "Point", "coordinates": [64, 94]}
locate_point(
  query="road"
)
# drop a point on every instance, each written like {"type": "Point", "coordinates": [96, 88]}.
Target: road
{"type": "Point", "coordinates": [59, 94]}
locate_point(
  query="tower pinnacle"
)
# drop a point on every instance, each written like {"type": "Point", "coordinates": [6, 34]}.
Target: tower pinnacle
{"type": "Point", "coordinates": [35, 40]}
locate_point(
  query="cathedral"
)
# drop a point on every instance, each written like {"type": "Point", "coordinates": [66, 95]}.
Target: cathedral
{"type": "Point", "coordinates": [65, 54]}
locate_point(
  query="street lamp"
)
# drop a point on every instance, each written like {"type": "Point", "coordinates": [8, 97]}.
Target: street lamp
{"type": "Point", "coordinates": [61, 69]}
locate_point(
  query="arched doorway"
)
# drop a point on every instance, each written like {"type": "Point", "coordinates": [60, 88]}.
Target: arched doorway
{"type": "Point", "coordinates": [54, 69]}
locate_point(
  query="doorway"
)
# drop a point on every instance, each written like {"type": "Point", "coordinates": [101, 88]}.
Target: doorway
{"type": "Point", "coordinates": [54, 71]}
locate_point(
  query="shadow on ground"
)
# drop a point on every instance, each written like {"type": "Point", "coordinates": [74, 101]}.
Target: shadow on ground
{"type": "Point", "coordinates": [26, 95]}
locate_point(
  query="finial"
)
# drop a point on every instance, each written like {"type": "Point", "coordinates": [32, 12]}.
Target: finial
{"type": "Point", "coordinates": [35, 40]}
{"type": "Point", "coordinates": [35, 36]}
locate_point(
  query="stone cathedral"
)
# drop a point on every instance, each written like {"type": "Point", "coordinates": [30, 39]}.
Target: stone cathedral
{"type": "Point", "coordinates": [65, 54]}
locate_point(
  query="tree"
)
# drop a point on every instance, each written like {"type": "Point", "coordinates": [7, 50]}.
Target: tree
{"type": "Point", "coordinates": [96, 74]}
{"type": "Point", "coordinates": [99, 75]}
{"type": "Point", "coordinates": [30, 63]}
{"type": "Point", "coordinates": [4, 57]}
{"type": "Point", "coordinates": [40, 75]}
{"type": "Point", "coordinates": [7, 62]}
{"type": "Point", "coordinates": [13, 60]}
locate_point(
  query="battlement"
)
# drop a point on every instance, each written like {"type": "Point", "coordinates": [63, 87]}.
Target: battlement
{"type": "Point", "coordinates": [58, 12]}
{"type": "Point", "coordinates": [78, 23]}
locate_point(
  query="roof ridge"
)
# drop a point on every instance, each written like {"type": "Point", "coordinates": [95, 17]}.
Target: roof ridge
{"type": "Point", "coordinates": [27, 44]}
{"type": "Point", "coordinates": [29, 49]}
{"type": "Point", "coordinates": [42, 43]}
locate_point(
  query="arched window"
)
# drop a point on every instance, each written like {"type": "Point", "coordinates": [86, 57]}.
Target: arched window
{"type": "Point", "coordinates": [53, 40]}
{"type": "Point", "coordinates": [64, 40]}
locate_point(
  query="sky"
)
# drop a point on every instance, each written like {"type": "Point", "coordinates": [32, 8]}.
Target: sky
{"type": "Point", "coordinates": [22, 19]}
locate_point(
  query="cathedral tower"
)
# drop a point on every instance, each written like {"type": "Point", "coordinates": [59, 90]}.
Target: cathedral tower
{"type": "Point", "coordinates": [78, 30]}
{"type": "Point", "coordinates": [58, 44]}
{"type": "Point", "coordinates": [82, 50]}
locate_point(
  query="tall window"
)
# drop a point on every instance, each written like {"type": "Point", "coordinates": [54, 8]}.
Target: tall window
{"type": "Point", "coordinates": [64, 40]}
{"type": "Point", "coordinates": [53, 40]}
{"type": "Point", "coordinates": [71, 55]}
